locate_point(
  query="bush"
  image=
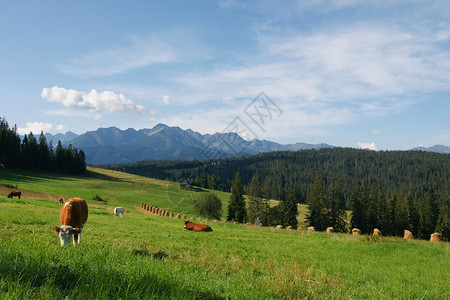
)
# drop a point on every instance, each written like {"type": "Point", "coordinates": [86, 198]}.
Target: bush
{"type": "Point", "coordinates": [209, 206]}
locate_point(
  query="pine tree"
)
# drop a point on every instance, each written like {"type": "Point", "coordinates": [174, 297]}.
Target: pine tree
{"type": "Point", "coordinates": [258, 207]}
{"type": "Point", "coordinates": [316, 205]}
{"type": "Point", "coordinates": [337, 209]}
{"type": "Point", "coordinates": [358, 219]}
{"type": "Point", "coordinates": [290, 210]}
{"type": "Point", "coordinates": [236, 206]}
{"type": "Point", "coordinates": [429, 214]}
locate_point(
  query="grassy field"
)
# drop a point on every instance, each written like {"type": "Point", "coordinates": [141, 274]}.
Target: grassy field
{"type": "Point", "coordinates": [150, 257]}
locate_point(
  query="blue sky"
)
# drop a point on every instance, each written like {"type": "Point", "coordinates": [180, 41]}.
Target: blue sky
{"type": "Point", "coordinates": [349, 73]}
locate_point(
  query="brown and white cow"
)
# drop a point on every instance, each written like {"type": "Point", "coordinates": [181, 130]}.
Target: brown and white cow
{"type": "Point", "coordinates": [74, 214]}
{"type": "Point", "coordinates": [196, 227]}
{"type": "Point", "coordinates": [61, 200]}
{"type": "Point", "coordinates": [14, 194]}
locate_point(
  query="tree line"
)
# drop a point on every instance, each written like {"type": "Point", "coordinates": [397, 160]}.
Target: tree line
{"type": "Point", "coordinates": [31, 153]}
{"type": "Point", "coordinates": [396, 172]}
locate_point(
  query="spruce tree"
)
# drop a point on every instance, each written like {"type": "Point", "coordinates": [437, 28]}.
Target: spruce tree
{"type": "Point", "coordinates": [290, 210]}
{"type": "Point", "coordinates": [337, 209]}
{"type": "Point", "coordinates": [358, 219]}
{"type": "Point", "coordinates": [258, 207]}
{"type": "Point", "coordinates": [236, 206]}
{"type": "Point", "coordinates": [316, 205]}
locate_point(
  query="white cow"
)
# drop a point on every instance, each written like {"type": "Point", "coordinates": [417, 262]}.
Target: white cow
{"type": "Point", "coordinates": [118, 210]}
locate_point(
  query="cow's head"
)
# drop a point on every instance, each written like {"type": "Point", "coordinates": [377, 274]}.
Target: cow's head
{"type": "Point", "coordinates": [186, 223]}
{"type": "Point", "coordinates": [66, 234]}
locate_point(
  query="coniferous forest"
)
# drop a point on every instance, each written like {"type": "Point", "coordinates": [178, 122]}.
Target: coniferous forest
{"type": "Point", "coordinates": [389, 190]}
{"type": "Point", "coordinates": [31, 153]}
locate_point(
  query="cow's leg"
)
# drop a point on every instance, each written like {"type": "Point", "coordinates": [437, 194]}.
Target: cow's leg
{"type": "Point", "coordinates": [122, 215]}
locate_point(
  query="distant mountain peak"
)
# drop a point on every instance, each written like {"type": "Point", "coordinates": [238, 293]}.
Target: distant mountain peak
{"type": "Point", "coordinates": [162, 142]}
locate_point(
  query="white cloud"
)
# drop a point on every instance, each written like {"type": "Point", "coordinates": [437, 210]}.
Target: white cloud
{"type": "Point", "coordinates": [92, 101]}
{"type": "Point", "coordinates": [166, 99]}
{"type": "Point", "coordinates": [139, 54]}
{"type": "Point", "coordinates": [376, 132]}
{"type": "Point", "coordinates": [370, 146]}
{"type": "Point", "coordinates": [37, 127]}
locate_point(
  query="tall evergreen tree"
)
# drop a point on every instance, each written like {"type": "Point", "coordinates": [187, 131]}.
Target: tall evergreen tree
{"type": "Point", "coordinates": [429, 214]}
{"type": "Point", "coordinates": [337, 209]}
{"type": "Point", "coordinates": [316, 204]}
{"type": "Point", "coordinates": [236, 206]}
{"type": "Point", "coordinates": [258, 207]}
{"type": "Point", "coordinates": [290, 210]}
{"type": "Point", "coordinates": [358, 219]}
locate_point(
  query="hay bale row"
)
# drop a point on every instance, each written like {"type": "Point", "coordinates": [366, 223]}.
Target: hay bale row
{"type": "Point", "coordinates": [158, 211]}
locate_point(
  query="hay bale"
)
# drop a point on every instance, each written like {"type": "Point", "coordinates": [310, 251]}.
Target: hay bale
{"type": "Point", "coordinates": [215, 221]}
{"type": "Point", "coordinates": [376, 232]}
{"type": "Point", "coordinates": [356, 231]}
{"type": "Point", "coordinates": [300, 229]}
{"type": "Point", "coordinates": [148, 208]}
{"type": "Point", "coordinates": [183, 217]}
{"type": "Point", "coordinates": [235, 222]}
{"type": "Point", "coordinates": [436, 237]}
{"type": "Point", "coordinates": [144, 206]}
{"type": "Point", "coordinates": [290, 227]}
{"type": "Point", "coordinates": [206, 220]}
{"type": "Point", "coordinates": [171, 215]}
{"type": "Point", "coordinates": [311, 229]}
{"type": "Point", "coordinates": [178, 216]}
{"type": "Point", "coordinates": [192, 219]}
{"type": "Point", "coordinates": [330, 229]}
{"type": "Point", "coordinates": [279, 227]}
{"type": "Point", "coordinates": [199, 219]}
{"type": "Point", "coordinates": [408, 235]}
{"type": "Point", "coordinates": [248, 224]}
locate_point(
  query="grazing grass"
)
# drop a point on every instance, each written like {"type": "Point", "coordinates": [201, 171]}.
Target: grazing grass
{"type": "Point", "coordinates": [149, 257]}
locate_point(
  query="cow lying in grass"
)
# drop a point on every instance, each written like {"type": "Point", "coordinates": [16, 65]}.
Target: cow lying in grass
{"type": "Point", "coordinates": [74, 214]}
{"type": "Point", "coordinates": [14, 194]}
{"type": "Point", "coordinates": [118, 210]}
{"type": "Point", "coordinates": [196, 227]}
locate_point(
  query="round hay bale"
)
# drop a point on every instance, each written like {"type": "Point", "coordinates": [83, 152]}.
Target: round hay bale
{"type": "Point", "coordinates": [330, 229]}
{"type": "Point", "coordinates": [279, 227]}
{"type": "Point", "coordinates": [376, 232]}
{"type": "Point", "coordinates": [178, 216]}
{"type": "Point", "coordinates": [144, 206]}
{"type": "Point", "coordinates": [436, 237]}
{"type": "Point", "coordinates": [148, 208]}
{"type": "Point", "coordinates": [300, 229]}
{"type": "Point", "coordinates": [235, 222]}
{"type": "Point", "coordinates": [183, 217]}
{"type": "Point", "coordinates": [171, 215]}
{"type": "Point", "coordinates": [199, 219]}
{"type": "Point", "coordinates": [408, 235]}
{"type": "Point", "coordinates": [356, 231]}
{"type": "Point", "coordinates": [290, 227]}
{"type": "Point", "coordinates": [206, 220]}
{"type": "Point", "coordinates": [311, 229]}
{"type": "Point", "coordinates": [248, 224]}
{"type": "Point", "coordinates": [192, 219]}
{"type": "Point", "coordinates": [215, 221]}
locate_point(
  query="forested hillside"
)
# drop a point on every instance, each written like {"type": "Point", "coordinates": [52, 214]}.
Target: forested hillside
{"type": "Point", "coordinates": [31, 153]}
{"type": "Point", "coordinates": [396, 172]}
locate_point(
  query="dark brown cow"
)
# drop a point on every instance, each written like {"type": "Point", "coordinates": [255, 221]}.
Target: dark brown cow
{"type": "Point", "coordinates": [74, 214]}
{"type": "Point", "coordinates": [196, 227]}
{"type": "Point", "coordinates": [14, 194]}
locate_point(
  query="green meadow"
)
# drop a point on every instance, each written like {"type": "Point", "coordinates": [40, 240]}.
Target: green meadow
{"type": "Point", "coordinates": [144, 256]}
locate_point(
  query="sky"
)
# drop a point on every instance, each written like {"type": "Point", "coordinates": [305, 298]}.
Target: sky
{"type": "Point", "coordinates": [351, 73]}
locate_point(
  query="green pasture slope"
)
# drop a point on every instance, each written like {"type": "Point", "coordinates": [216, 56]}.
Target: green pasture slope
{"type": "Point", "coordinates": [150, 257]}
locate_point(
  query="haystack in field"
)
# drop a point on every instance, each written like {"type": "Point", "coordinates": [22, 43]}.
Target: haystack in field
{"type": "Point", "coordinates": [356, 231]}
{"type": "Point", "coordinates": [408, 235]}
{"type": "Point", "coordinates": [290, 227]}
{"type": "Point", "coordinates": [376, 232]}
{"type": "Point", "coordinates": [279, 227]}
{"type": "Point", "coordinates": [330, 229]}
{"type": "Point", "coordinates": [300, 228]}
{"type": "Point", "coordinates": [435, 237]}
{"type": "Point", "coordinates": [311, 228]}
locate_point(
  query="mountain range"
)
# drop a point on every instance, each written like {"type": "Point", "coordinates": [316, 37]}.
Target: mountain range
{"type": "Point", "coordinates": [113, 145]}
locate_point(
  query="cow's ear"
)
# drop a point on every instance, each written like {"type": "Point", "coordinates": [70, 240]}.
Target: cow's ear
{"type": "Point", "coordinates": [56, 228]}
{"type": "Point", "coordinates": [76, 230]}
